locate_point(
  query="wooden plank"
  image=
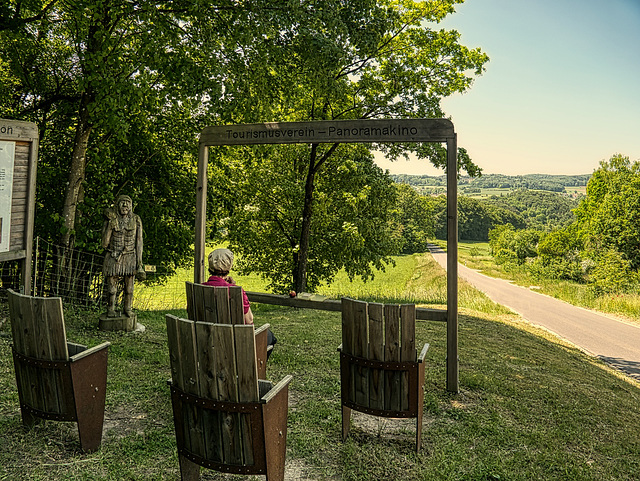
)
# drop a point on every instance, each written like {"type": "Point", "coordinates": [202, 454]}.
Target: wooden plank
{"type": "Point", "coordinates": [222, 304]}
{"type": "Point", "coordinates": [329, 131]}
{"type": "Point", "coordinates": [228, 391]}
{"type": "Point", "coordinates": [199, 269]}
{"type": "Point", "coordinates": [348, 327]}
{"type": "Point", "coordinates": [407, 347]}
{"type": "Point", "coordinates": [236, 309]}
{"type": "Point", "coordinates": [325, 304]}
{"type": "Point", "coordinates": [17, 315]}
{"type": "Point", "coordinates": [13, 255]}
{"type": "Point", "coordinates": [187, 356]}
{"type": "Point", "coordinates": [188, 288]}
{"type": "Point", "coordinates": [48, 311]}
{"type": "Point", "coordinates": [174, 350]}
{"type": "Point", "coordinates": [186, 343]}
{"type": "Point", "coordinates": [453, 384]}
{"type": "Point", "coordinates": [52, 346]}
{"type": "Point", "coordinates": [20, 313]}
{"type": "Point", "coordinates": [203, 303]}
{"type": "Point", "coordinates": [207, 302]}
{"type": "Point", "coordinates": [376, 352]}
{"type": "Point", "coordinates": [408, 333]}
{"type": "Point", "coordinates": [211, 423]}
{"type": "Point", "coordinates": [392, 353]}
{"type": "Point", "coordinates": [360, 349]}
{"type": "Point", "coordinates": [206, 360]}
{"type": "Point", "coordinates": [245, 359]}
{"type": "Point", "coordinates": [245, 355]}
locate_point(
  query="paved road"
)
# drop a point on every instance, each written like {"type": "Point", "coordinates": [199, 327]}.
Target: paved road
{"type": "Point", "coordinates": [615, 342]}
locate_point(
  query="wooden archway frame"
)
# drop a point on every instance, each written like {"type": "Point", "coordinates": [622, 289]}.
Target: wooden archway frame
{"type": "Point", "coordinates": [345, 131]}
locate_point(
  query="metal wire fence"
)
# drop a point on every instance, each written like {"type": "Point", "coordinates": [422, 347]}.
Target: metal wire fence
{"type": "Point", "coordinates": [76, 276]}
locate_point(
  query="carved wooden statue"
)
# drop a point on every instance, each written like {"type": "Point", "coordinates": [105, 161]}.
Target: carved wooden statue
{"type": "Point", "coordinates": [122, 240]}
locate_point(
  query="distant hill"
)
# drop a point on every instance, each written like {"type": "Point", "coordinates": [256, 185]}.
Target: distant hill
{"type": "Point", "coordinates": [539, 201]}
{"type": "Point", "coordinates": [541, 210]}
{"type": "Point", "coordinates": [496, 184]}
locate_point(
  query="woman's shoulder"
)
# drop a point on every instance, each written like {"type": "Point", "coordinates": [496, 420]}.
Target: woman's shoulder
{"type": "Point", "coordinates": [216, 281]}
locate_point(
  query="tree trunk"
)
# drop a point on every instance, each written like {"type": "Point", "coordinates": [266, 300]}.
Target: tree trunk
{"type": "Point", "coordinates": [76, 173]}
{"type": "Point", "coordinates": [302, 258]}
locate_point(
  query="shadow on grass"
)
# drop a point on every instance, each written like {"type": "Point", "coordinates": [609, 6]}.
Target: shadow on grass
{"type": "Point", "coordinates": [529, 407]}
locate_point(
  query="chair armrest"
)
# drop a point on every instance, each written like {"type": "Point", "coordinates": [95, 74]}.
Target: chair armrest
{"type": "Point", "coordinates": [89, 352]}
{"type": "Point", "coordinates": [74, 348]}
{"type": "Point", "coordinates": [277, 388]}
{"type": "Point", "coordinates": [262, 328]}
{"type": "Point", "coordinates": [264, 387]}
{"type": "Point", "coordinates": [423, 353]}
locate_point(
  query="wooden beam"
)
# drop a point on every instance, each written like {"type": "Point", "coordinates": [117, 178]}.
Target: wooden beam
{"type": "Point", "coordinates": [326, 304]}
{"type": "Point", "coordinates": [452, 266]}
{"type": "Point", "coordinates": [200, 268]}
{"type": "Point", "coordinates": [330, 131]}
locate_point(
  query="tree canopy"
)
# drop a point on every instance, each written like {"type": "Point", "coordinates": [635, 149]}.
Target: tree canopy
{"type": "Point", "coordinates": [356, 60]}
{"type": "Point", "coordinates": [120, 89]}
{"type": "Point", "coordinates": [609, 216]}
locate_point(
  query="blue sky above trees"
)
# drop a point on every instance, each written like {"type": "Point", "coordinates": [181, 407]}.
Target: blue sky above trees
{"type": "Point", "coordinates": [560, 93]}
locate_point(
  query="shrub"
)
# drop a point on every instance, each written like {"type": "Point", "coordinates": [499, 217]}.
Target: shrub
{"type": "Point", "coordinates": [612, 274]}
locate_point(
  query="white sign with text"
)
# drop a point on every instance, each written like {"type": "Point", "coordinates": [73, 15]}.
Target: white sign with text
{"type": "Point", "coordinates": [7, 155]}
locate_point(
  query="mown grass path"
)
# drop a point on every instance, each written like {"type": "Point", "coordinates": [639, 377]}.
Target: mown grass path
{"type": "Point", "coordinates": [614, 341]}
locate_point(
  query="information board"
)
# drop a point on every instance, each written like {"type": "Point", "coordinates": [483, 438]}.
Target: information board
{"type": "Point", "coordinates": [18, 163]}
{"type": "Point", "coordinates": [7, 156]}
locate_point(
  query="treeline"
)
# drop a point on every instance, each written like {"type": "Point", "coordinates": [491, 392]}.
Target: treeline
{"type": "Point", "coordinates": [120, 90]}
{"type": "Point", "coordinates": [419, 217]}
{"type": "Point", "coordinates": [600, 247]}
{"type": "Point", "coordinates": [545, 182]}
{"type": "Point", "coordinates": [540, 210]}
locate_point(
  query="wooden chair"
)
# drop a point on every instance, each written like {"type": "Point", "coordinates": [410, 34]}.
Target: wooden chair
{"type": "Point", "coordinates": [225, 418]}
{"type": "Point", "coordinates": [380, 373]}
{"type": "Point", "coordinates": [56, 379]}
{"type": "Point", "coordinates": [223, 305]}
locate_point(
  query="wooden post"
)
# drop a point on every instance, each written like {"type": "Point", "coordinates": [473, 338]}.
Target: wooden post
{"type": "Point", "coordinates": [31, 208]}
{"type": "Point", "coordinates": [201, 214]}
{"type": "Point", "coordinates": [452, 265]}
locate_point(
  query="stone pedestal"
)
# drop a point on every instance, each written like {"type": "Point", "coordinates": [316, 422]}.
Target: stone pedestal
{"type": "Point", "coordinates": [120, 323]}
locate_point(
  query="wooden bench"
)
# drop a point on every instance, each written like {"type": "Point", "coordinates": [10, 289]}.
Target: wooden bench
{"type": "Point", "coordinates": [56, 379]}
{"type": "Point", "coordinates": [223, 305]}
{"type": "Point", "coordinates": [225, 418]}
{"type": "Point", "coordinates": [380, 371]}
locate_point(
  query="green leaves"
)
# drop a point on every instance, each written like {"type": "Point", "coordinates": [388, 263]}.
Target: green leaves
{"type": "Point", "coordinates": [609, 217]}
{"type": "Point", "coordinates": [349, 227]}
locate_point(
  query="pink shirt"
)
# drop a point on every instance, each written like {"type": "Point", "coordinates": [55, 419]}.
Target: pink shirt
{"type": "Point", "coordinates": [219, 281]}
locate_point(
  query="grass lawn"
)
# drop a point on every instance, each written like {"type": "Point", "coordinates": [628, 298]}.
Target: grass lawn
{"type": "Point", "coordinates": [530, 407]}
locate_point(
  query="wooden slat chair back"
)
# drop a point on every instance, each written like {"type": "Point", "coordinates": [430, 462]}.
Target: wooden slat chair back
{"type": "Point", "coordinates": [223, 305]}
{"type": "Point", "coordinates": [57, 380]}
{"type": "Point", "coordinates": [225, 418]}
{"type": "Point", "coordinates": [380, 371]}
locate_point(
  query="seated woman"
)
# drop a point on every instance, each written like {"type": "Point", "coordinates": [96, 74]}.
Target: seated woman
{"type": "Point", "coordinates": [220, 263]}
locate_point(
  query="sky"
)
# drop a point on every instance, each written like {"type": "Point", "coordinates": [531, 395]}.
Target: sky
{"type": "Point", "coordinates": [560, 93]}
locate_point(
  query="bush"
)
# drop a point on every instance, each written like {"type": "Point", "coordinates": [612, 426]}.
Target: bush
{"type": "Point", "coordinates": [556, 268]}
{"type": "Point", "coordinates": [612, 274]}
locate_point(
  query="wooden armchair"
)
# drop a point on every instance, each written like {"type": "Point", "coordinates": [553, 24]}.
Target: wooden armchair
{"type": "Point", "coordinates": [380, 371]}
{"type": "Point", "coordinates": [225, 418]}
{"type": "Point", "coordinates": [56, 379]}
{"type": "Point", "coordinates": [223, 305]}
